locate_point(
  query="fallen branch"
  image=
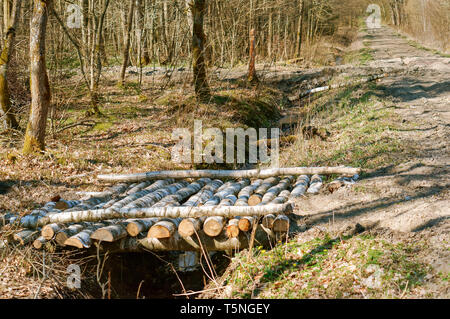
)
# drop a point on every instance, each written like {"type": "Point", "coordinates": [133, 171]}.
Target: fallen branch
{"type": "Point", "coordinates": [81, 123]}
{"type": "Point", "coordinates": [335, 86]}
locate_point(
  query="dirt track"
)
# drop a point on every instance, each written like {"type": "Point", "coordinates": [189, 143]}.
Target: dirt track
{"type": "Point", "coordinates": [410, 199]}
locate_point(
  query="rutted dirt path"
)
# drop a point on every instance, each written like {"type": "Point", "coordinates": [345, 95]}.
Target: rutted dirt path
{"type": "Point", "coordinates": [410, 199]}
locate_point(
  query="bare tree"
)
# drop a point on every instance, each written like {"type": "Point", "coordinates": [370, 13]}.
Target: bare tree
{"type": "Point", "coordinates": [126, 48]}
{"type": "Point", "coordinates": [198, 49]}
{"type": "Point", "coordinates": [9, 120]}
{"type": "Point", "coordinates": [39, 84]}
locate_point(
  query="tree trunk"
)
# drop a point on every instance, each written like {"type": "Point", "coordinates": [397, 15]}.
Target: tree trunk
{"type": "Point", "coordinates": [198, 50]}
{"type": "Point", "coordinates": [126, 48]}
{"type": "Point", "coordinates": [251, 76]}
{"type": "Point", "coordinates": [10, 121]}
{"type": "Point", "coordinates": [298, 48]}
{"type": "Point", "coordinates": [39, 83]}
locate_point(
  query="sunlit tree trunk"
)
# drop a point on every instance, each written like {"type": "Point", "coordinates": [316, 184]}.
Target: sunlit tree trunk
{"type": "Point", "coordinates": [126, 48]}
{"type": "Point", "coordinates": [251, 77]}
{"type": "Point", "coordinates": [299, 29]}
{"type": "Point", "coordinates": [6, 113]}
{"type": "Point", "coordinates": [198, 49]}
{"type": "Point", "coordinates": [39, 84]}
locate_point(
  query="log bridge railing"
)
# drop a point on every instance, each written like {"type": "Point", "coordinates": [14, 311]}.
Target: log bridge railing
{"type": "Point", "coordinates": [175, 210]}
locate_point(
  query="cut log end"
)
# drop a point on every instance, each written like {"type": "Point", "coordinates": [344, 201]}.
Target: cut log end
{"type": "Point", "coordinates": [74, 242]}
{"type": "Point", "coordinates": [268, 221]}
{"type": "Point", "coordinates": [133, 229]}
{"type": "Point", "coordinates": [254, 200]}
{"type": "Point", "coordinates": [245, 223]}
{"type": "Point", "coordinates": [109, 234]}
{"type": "Point", "coordinates": [281, 224]}
{"type": "Point", "coordinates": [232, 229]}
{"type": "Point", "coordinates": [49, 231]}
{"type": "Point", "coordinates": [188, 227]}
{"type": "Point", "coordinates": [39, 242]}
{"type": "Point", "coordinates": [61, 238]}
{"type": "Point", "coordinates": [162, 229]}
{"type": "Point", "coordinates": [213, 226]}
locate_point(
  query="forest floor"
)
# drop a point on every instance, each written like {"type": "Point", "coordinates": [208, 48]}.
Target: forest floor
{"type": "Point", "coordinates": [386, 236]}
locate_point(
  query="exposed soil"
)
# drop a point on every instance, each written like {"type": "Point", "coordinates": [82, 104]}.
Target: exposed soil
{"type": "Point", "coordinates": [411, 198]}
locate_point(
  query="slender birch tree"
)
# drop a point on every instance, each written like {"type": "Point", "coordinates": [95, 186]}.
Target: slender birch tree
{"type": "Point", "coordinates": [39, 83]}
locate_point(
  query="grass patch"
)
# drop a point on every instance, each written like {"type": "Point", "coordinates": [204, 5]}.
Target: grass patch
{"type": "Point", "coordinates": [361, 56]}
{"type": "Point", "coordinates": [352, 267]}
{"type": "Point", "coordinates": [362, 126]}
{"type": "Point", "coordinates": [419, 46]}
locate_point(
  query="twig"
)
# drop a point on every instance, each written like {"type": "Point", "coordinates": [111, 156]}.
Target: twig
{"type": "Point", "coordinates": [139, 289]}
{"type": "Point", "coordinates": [81, 123]}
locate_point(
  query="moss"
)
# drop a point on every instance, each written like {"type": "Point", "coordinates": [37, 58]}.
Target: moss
{"type": "Point", "coordinates": [31, 144]}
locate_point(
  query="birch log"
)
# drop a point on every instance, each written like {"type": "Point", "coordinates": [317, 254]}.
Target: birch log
{"type": "Point", "coordinates": [49, 231]}
{"type": "Point", "coordinates": [256, 198]}
{"type": "Point", "coordinates": [246, 223]}
{"type": "Point", "coordinates": [101, 198]}
{"type": "Point", "coordinates": [138, 187]}
{"type": "Point", "coordinates": [159, 184]}
{"type": "Point", "coordinates": [183, 193]}
{"type": "Point", "coordinates": [64, 234]}
{"type": "Point", "coordinates": [315, 185]}
{"type": "Point", "coordinates": [299, 187]}
{"type": "Point", "coordinates": [218, 243]}
{"type": "Point", "coordinates": [283, 197]}
{"type": "Point", "coordinates": [204, 194]}
{"type": "Point", "coordinates": [252, 173]}
{"type": "Point", "coordinates": [188, 226]}
{"type": "Point", "coordinates": [26, 236]}
{"type": "Point", "coordinates": [39, 242]}
{"type": "Point", "coordinates": [137, 226]}
{"type": "Point", "coordinates": [246, 192]}
{"type": "Point", "coordinates": [31, 220]}
{"type": "Point", "coordinates": [272, 192]}
{"type": "Point", "coordinates": [335, 86]}
{"type": "Point", "coordinates": [83, 238]}
{"type": "Point", "coordinates": [229, 200]}
{"type": "Point", "coordinates": [154, 197]}
{"type": "Point", "coordinates": [268, 220]}
{"type": "Point", "coordinates": [166, 212]}
{"type": "Point", "coordinates": [164, 228]}
{"type": "Point", "coordinates": [213, 225]}
{"type": "Point", "coordinates": [110, 233]}
{"type": "Point", "coordinates": [281, 224]}
{"type": "Point", "coordinates": [232, 228]}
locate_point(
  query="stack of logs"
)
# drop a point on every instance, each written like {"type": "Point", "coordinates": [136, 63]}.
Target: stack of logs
{"type": "Point", "coordinates": [170, 214]}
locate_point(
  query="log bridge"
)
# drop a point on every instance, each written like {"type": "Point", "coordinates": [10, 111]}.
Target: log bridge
{"type": "Point", "coordinates": [197, 210]}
